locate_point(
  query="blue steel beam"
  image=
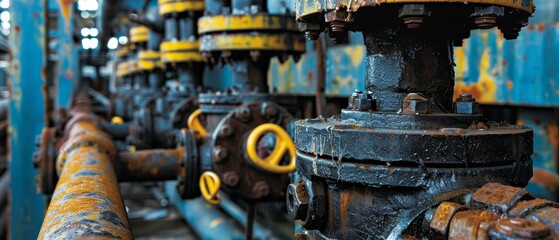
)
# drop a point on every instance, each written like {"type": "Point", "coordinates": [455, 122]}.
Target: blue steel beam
{"type": "Point", "coordinates": [26, 114]}
{"type": "Point", "coordinates": [66, 69]}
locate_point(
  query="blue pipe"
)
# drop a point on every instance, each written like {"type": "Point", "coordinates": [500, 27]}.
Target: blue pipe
{"type": "Point", "coordinates": [239, 214]}
{"type": "Point", "coordinates": [206, 220]}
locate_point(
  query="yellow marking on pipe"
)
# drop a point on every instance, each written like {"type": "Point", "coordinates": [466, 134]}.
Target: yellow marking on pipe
{"type": "Point", "coordinates": [262, 22]}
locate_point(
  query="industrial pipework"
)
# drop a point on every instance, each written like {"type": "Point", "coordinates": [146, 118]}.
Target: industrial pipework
{"type": "Point", "coordinates": [245, 36]}
{"type": "Point", "coordinates": [86, 202]}
{"type": "Point", "coordinates": [405, 161]}
{"type": "Point", "coordinates": [161, 115]}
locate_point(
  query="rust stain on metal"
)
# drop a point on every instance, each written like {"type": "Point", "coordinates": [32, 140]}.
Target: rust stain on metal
{"type": "Point", "coordinates": [86, 202]}
{"type": "Point", "coordinates": [443, 216]}
{"type": "Point", "coordinates": [470, 224]}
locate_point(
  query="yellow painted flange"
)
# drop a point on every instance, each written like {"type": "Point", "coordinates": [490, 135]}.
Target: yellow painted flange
{"type": "Point", "coordinates": [262, 22]}
{"type": "Point", "coordinates": [180, 6]}
{"type": "Point", "coordinates": [195, 124]}
{"type": "Point", "coordinates": [247, 42]}
{"type": "Point", "coordinates": [122, 52]}
{"type": "Point", "coordinates": [139, 34]}
{"type": "Point", "coordinates": [180, 51]}
{"type": "Point", "coordinates": [209, 187]}
{"type": "Point", "coordinates": [122, 69]}
{"type": "Point", "coordinates": [133, 67]}
{"type": "Point", "coordinates": [149, 60]}
{"type": "Point", "coordinates": [284, 145]}
{"type": "Point", "coordinates": [309, 7]}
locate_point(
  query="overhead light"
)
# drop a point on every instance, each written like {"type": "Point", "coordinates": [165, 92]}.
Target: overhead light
{"type": "Point", "coordinates": [88, 5]}
{"type": "Point", "coordinates": [113, 43]}
{"type": "Point", "coordinates": [93, 32]}
{"type": "Point", "coordinates": [84, 14]}
{"type": "Point", "coordinates": [5, 16]}
{"type": "Point", "coordinates": [85, 32]}
{"type": "Point", "coordinates": [122, 40]}
{"type": "Point", "coordinates": [85, 43]}
{"type": "Point", "coordinates": [5, 4]}
{"type": "Point", "coordinates": [6, 25]}
{"type": "Point", "coordinates": [93, 43]}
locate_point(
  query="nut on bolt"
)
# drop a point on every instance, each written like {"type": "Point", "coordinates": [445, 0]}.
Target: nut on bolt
{"type": "Point", "coordinates": [244, 114]}
{"type": "Point", "coordinates": [260, 189]}
{"type": "Point", "coordinates": [230, 179]}
{"type": "Point", "coordinates": [466, 104]}
{"type": "Point", "coordinates": [415, 103]}
{"type": "Point", "coordinates": [486, 17]}
{"type": "Point", "coordinates": [362, 102]}
{"type": "Point", "coordinates": [312, 30]}
{"type": "Point", "coordinates": [413, 15]}
{"type": "Point", "coordinates": [516, 228]}
{"type": "Point", "coordinates": [225, 131]}
{"type": "Point", "coordinates": [219, 154]}
{"type": "Point", "coordinates": [297, 201]}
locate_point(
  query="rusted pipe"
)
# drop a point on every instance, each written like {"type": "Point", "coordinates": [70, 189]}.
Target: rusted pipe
{"type": "Point", "coordinates": [86, 202]}
{"type": "Point", "coordinates": [150, 165]}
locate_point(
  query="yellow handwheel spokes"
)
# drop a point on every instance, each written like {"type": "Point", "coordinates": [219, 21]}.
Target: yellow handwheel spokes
{"type": "Point", "coordinates": [195, 124]}
{"type": "Point", "coordinates": [209, 187]}
{"type": "Point", "coordinates": [283, 144]}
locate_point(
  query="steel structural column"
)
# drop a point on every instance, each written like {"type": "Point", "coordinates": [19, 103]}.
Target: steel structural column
{"type": "Point", "coordinates": [66, 68]}
{"type": "Point", "coordinates": [26, 114]}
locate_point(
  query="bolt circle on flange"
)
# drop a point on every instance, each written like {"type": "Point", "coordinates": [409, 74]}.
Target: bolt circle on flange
{"type": "Point", "coordinates": [255, 183]}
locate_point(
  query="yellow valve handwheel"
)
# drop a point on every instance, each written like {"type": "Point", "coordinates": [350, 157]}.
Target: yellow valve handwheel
{"type": "Point", "coordinates": [283, 144]}
{"type": "Point", "coordinates": [209, 187]}
{"type": "Point", "coordinates": [195, 124]}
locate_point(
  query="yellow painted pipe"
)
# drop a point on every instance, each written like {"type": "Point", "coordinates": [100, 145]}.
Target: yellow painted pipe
{"type": "Point", "coordinates": [86, 203]}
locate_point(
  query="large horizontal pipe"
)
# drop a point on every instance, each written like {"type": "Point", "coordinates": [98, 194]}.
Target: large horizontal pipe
{"type": "Point", "coordinates": [86, 202]}
{"type": "Point", "coordinates": [150, 165]}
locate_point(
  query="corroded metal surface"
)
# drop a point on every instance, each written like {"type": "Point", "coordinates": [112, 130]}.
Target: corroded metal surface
{"type": "Point", "coordinates": [406, 145]}
{"type": "Point", "coordinates": [308, 7]}
{"type": "Point", "coordinates": [149, 165]}
{"type": "Point", "coordinates": [86, 202]}
{"type": "Point", "coordinates": [483, 217]}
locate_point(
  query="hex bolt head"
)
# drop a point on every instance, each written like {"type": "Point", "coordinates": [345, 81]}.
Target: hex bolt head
{"type": "Point", "coordinates": [230, 179]}
{"type": "Point", "coordinates": [244, 114]}
{"type": "Point", "coordinates": [219, 154]}
{"type": "Point", "coordinates": [271, 111]}
{"type": "Point", "coordinates": [225, 131]}
{"type": "Point", "coordinates": [260, 189]}
{"type": "Point", "coordinates": [415, 103]}
{"type": "Point", "coordinates": [466, 104]}
{"type": "Point", "coordinates": [413, 15]}
{"type": "Point", "coordinates": [297, 201]}
{"type": "Point", "coordinates": [312, 35]}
